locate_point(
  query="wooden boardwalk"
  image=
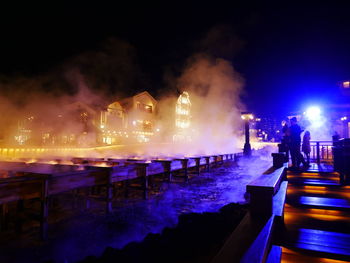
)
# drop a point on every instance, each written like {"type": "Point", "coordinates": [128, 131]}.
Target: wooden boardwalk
{"type": "Point", "coordinates": [294, 216]}
{"type": "Point", "coordinates": [316, 217]}
{"type": "Point", "coordinates": [22, 181]}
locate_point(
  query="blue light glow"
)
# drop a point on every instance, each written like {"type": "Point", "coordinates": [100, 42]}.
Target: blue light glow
{"type": "Point", "coordinates": [313, 113]}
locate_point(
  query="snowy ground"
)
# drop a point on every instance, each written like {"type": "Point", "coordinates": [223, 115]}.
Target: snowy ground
{"type": "Point", "coordinates": [77, 235]}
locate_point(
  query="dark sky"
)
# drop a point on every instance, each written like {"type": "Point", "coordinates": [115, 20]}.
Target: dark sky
{"type": "Point", "coordinates": [290, 55]}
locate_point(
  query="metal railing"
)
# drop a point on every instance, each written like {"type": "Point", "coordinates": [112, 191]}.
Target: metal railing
{"type": "Point", "coordinates": [321, 151]}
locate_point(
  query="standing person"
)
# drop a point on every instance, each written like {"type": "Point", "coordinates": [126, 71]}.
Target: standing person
{"type": "Point", "coordinates": [295, 142]}
{"type": "Point", "coordinates": [335, 137]}
{"type": "Point", "coordinates": [306, 147]}
{"type": "Point", "coordinates": [286, 139]}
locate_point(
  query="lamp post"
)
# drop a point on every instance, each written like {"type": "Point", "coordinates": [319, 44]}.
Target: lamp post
{"type": "Point", "coordinates": [345, 126]}
{"type": "Point", "coordinates": [247, 116]}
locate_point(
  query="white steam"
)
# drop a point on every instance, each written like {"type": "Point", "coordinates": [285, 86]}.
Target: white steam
{"type": "Point", "coordinates": [214, 87]}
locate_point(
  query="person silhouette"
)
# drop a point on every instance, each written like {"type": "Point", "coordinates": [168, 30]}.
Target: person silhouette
{"type": "Point", "coordinates": [294, 144]}
{"type": "Point", "coordinates": [306, 147]}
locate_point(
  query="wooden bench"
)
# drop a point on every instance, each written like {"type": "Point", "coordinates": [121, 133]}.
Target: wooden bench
{"type": "Point", "coordinates": [134, 175]}
{"type": "Point", "coordinates": [195, 162]}
{"type": "Point", "coordinates": [41, 181]}
{"type": "Point", "coordinates": [16, 189]}
{"type": "Point", "coordinates": [164, 169]}
{"type": "Point", "coordinates": [170, 167]}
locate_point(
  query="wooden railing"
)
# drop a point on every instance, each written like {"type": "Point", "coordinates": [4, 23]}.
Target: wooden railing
{"type": "Point", "coordinates": [341, 155]}
{"type": "Point", "coordinates": [321, 151]}
{"type": "Point", "coordinates": [252, 240]}
{"type": "Point", "coordinates": [21, 181]}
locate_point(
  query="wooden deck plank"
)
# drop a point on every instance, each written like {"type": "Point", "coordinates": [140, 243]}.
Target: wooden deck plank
{"type": "Point", "coordinates": [318, 205]}
{"type": "Point", "coordinates": [325, 183]}
{"type": "Point", "coordinates": [321, 243]}
{"type": "Point", "coordinates": [325, 202]}
{"type": "Point", "coordinates": [291, 256]}
{"type": "Point", "coordinates": [324, 238]}
{"type": "Point", "coordinates": [321, 168]}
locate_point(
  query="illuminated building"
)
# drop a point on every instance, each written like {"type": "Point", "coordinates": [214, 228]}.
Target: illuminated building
{"type": "Point", "coordinates": [267, 127]}
{"type": "Point", "coordinates": [183, 117]}
{"type": "Point", "coordinates": [75, 124]}
{"type": "Point", "coordinates": [129, 119]}
{"type": "Point", "coordinates": [112, 124]}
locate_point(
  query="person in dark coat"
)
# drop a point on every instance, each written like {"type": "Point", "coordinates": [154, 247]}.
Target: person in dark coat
{"type": "Point", "coordinates": [285, 139]}
{"type": "Point", "coordinates": [306, 147]}
{"type": "Point", "coordinates": [295, 143]}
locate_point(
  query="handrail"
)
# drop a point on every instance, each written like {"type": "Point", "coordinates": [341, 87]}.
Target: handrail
{"type": "Point", "coordinates": [331, 142]}
{"type": "Point", "coordinates": [321, 151]}
{"type": "Point", "coordinates": [251, 241]}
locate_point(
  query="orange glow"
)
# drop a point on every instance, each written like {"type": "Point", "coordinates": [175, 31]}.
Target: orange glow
{"type": "Point", "coordinates": [32, 161]}
{"type": "Point", "coordinates": [346, 84]}
{"type": "Point", "coordinates": [324, 211]}
{"type": "Point", "coordinates": [310, 187]}
{"type": "Point", "coordinates": [291, 256]}
{"type": "Point", "coordinates": [328, 217]}
{"type": "Point", "coordinates": [182, 110]}
{"type": "Point", "coordinates": [183, 118]}
{"type": "Point", "coordinates": [100, 164]}
{"type": "Point", "coordinates": [247, 116]}
{"type": "Point", "coordinates": [311, 191]}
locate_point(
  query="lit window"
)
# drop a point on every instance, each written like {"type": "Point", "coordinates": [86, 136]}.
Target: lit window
{"type": "Point", "coordinates": [148, 108]}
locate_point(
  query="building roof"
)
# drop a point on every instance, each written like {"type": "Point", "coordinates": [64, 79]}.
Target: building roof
{"type": "Point", "coordinates": [129, 101]}
{"type": "Point", "coordinates": [80, 105]}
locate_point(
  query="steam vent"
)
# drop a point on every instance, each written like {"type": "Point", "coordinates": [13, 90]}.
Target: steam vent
{"type": "Point", "coordinates": [170, 132]}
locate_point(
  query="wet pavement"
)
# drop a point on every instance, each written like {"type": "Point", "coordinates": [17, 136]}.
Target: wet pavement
{"type": "Point", "coordinates": [73, 236]}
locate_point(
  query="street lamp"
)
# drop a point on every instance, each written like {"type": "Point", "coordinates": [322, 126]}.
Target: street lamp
{"type": "Point", "coordinates": [345, 126]}
{"type": "Point", "coordinates": [247, 116]}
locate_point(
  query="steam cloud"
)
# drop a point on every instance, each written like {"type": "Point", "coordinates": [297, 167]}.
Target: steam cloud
{"type": "Point", "coordinates": [215, 88]}
{"type": "Point", "coordinates": [99, 78]}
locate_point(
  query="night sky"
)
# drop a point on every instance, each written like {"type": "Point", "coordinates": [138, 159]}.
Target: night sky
{"type": "Point", "coordinates": [290, 54]}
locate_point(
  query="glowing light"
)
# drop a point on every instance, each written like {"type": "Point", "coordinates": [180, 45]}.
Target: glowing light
{"type": "Point", "coordinates": [182, 111]}
{"type": "Point", "coordinates": [102, 126]}
{"type": "Point", "coordinates": [247, 116]}
{"type": "Point", "coordinates": [346, 84]}
{"type": "Point", "coordinates": [313, 113]}
{"type": "Point", "coordinates": [343, 118]}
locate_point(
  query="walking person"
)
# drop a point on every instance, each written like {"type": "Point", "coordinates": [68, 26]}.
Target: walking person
{"type": "Point", "coordinates": [295, 143]}
{"type": "Point", "coordinates": [306, 147]}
